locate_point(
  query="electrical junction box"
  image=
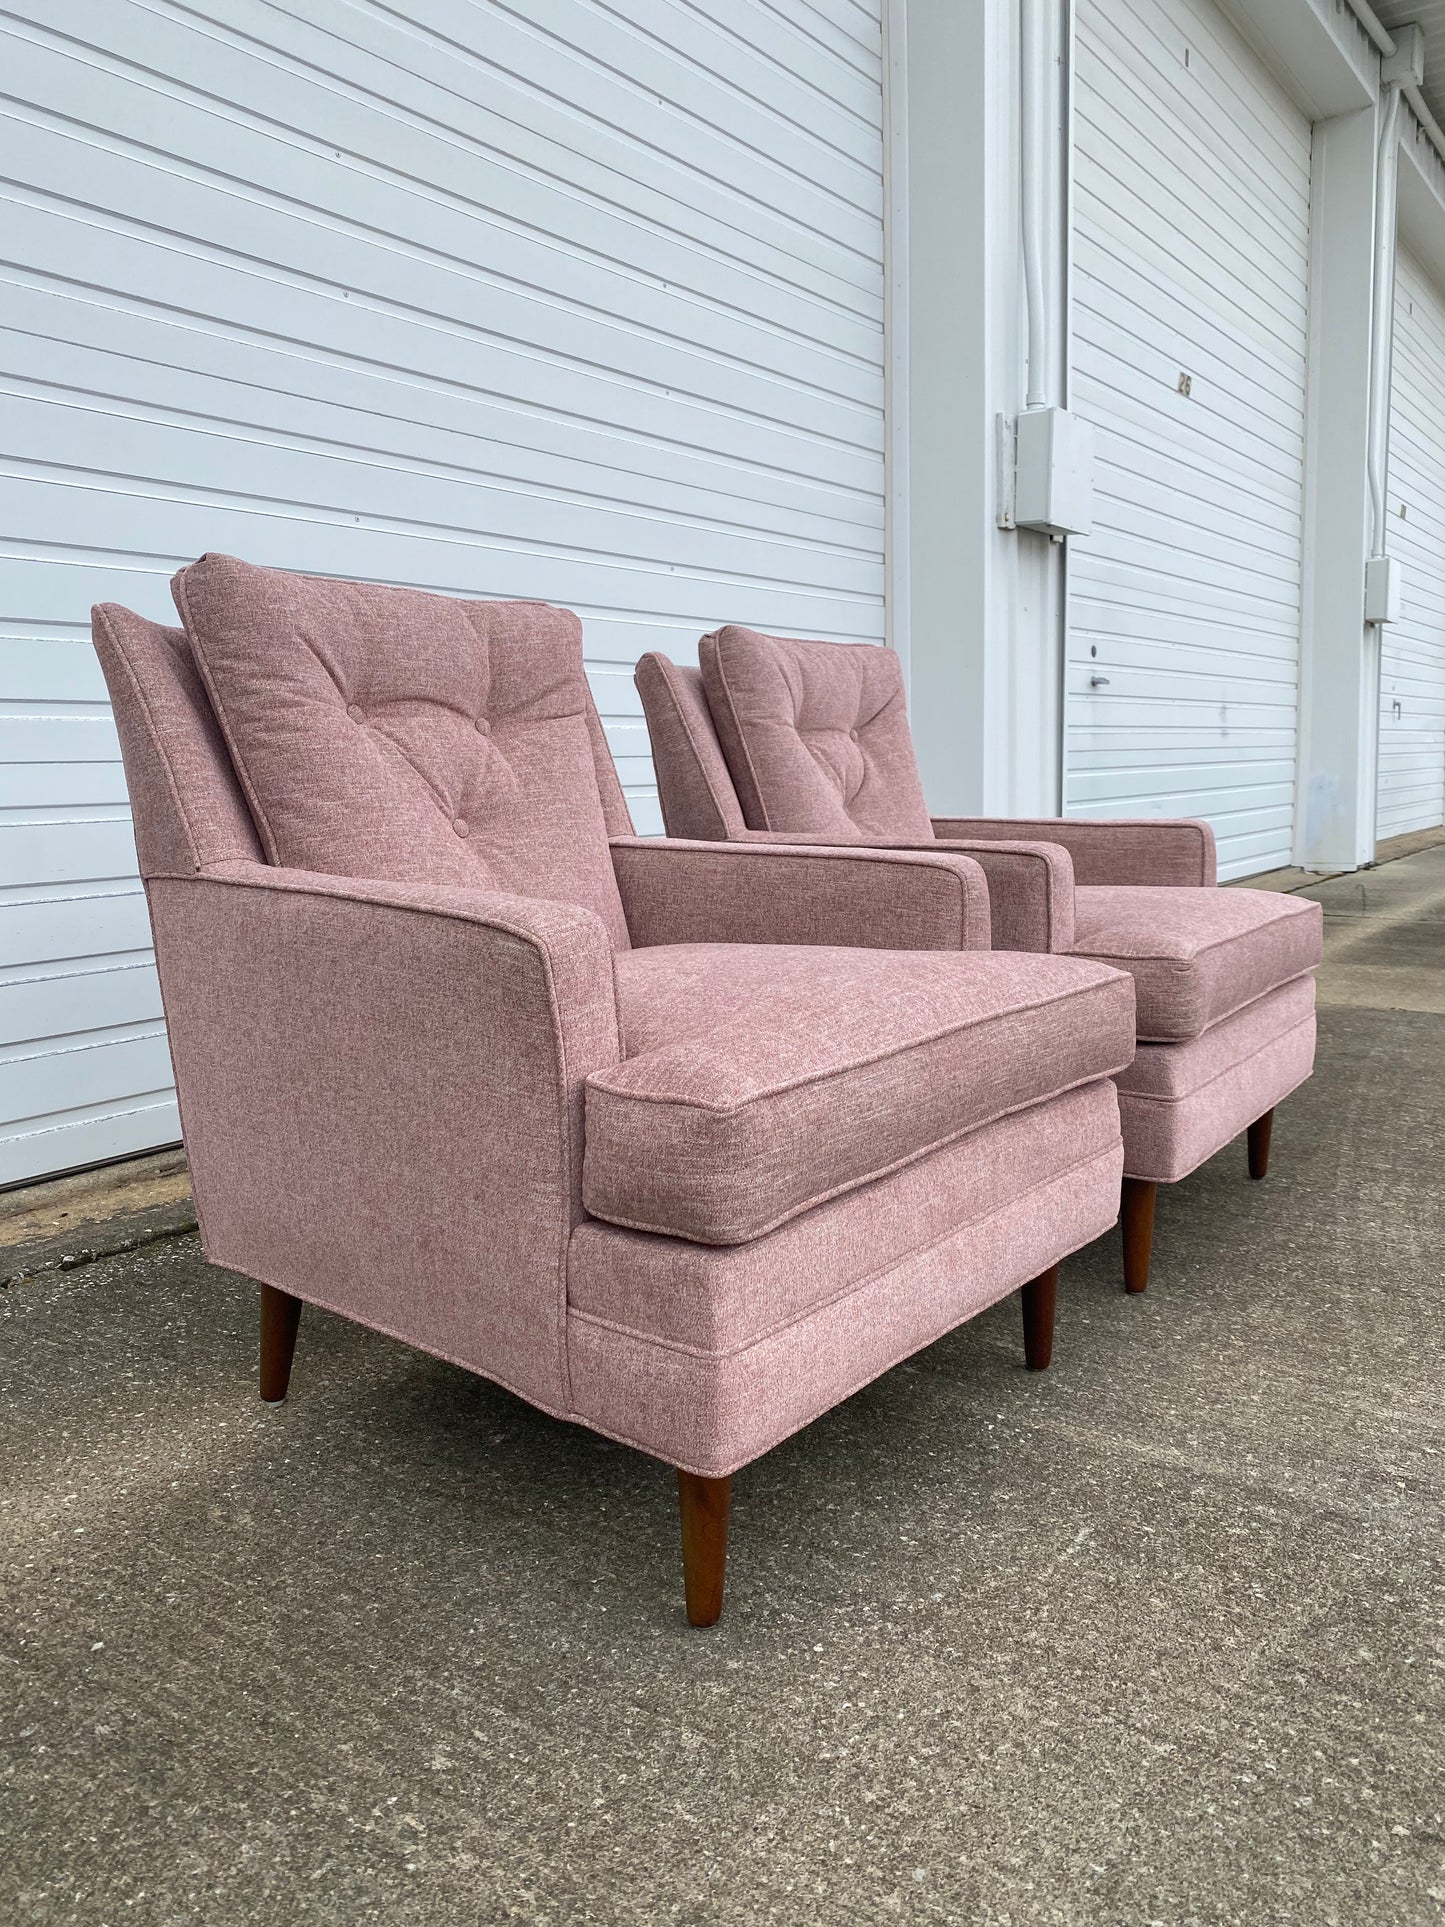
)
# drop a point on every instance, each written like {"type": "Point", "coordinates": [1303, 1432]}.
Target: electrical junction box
{"type": "Point", "coordinates": [1053, 472]}
{"type": "Point", "coordinates": [1382, 589]}
{"type": "Point", "coordinates": [1407, 63]}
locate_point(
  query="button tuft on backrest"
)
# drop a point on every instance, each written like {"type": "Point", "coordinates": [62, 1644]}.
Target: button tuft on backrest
{"type": "Point", "coordinates": [815, 734]}
{"type": "Point", "coordinates": [429, 790]}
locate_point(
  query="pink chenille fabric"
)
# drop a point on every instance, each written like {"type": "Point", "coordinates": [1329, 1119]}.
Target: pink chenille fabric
{"type": "Point", "coordinates": [186, 804]}
{"type": "Point", "coordinates": [1180, 1103]}
{"type": "Point", "coordinates": [682, 1333]}
{"type": "Point", "coordinates": [676, 892]}
{"type": "Point", "coordinates": [815, 735]}
{"type": "Point", "coordinates": [384, 1079]}
{"type": "Point", "coordinates": [694, 789]}
{"type": "Point", "coordinates": [1214, 969]}
{"type": "Point", "coordinates": [1135, 894]}
{"type": "Point", "coordinates": [1030, 885]}
{"type": "Point", "coordinates": [381, 1095]}
{"type": "Point", "coordinates": [390, 734]}
{"type": "Point", "coordinates": [760, 1084]}
{"type": "Point", "coordinates": [723, 1298]}
{"type": "Point", "coordinates": [1162, 852]}
{"type": "Point", "coordinates": [1197, 955]}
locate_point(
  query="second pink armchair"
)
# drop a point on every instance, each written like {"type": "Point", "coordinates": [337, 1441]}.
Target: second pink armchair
{"type": "Point", "coordinates": [772, 737]}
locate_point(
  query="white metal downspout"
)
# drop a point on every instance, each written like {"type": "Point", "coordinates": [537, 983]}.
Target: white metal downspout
{"type": "Point", "coordinates": [1035, 58]}
{"type": "Point", "coordinates": [1046, 63]}
{"type": "Point", "coordinates": [1066, 371]}
{"type": "Point", "coordinates": [1046, 170]}
{"type": "Point", "coordinates": [1387, 174]}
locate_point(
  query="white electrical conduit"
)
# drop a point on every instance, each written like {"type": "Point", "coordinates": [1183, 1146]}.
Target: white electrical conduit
{"type": "Point", "coordinates": [1035, 61]}
{"type": "Point", "coordinates": [1382, 308]}
{"type": "Point", "coordinates": [1382, 41]}
{"type": "Point", "coordinates": [1373, 26]}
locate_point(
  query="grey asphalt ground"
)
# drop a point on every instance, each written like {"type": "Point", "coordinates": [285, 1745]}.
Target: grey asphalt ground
{"type": "Point", "coordinates": [1152, 1638]}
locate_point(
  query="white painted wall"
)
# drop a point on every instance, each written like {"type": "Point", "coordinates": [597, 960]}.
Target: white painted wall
{"type": "Point", "coordinates": [1192, 198]}
{"type": "Point", "coordinates": [985, 610]}
{"type": "Point", "coordinates": [567, 301]}
{"type": "Point", "coordinates": [1412, 660]}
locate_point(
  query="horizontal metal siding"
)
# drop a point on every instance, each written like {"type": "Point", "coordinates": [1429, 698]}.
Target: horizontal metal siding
{"type": "Point", "coordinates": [566, 301]}
{"type": "Point", "coordinates": [1412, 656]}
{"type": "Point", "coordinates": [1192, 175]}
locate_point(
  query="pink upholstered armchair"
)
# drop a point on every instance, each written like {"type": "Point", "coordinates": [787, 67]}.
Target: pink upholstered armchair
{"type": "Point", "coordinates": [775, 738]}
{"type": "Point", "coordinates": [647, 1132]}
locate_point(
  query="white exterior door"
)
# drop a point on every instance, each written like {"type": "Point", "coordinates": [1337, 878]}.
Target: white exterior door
{"type": "Point", "coordinates": [1412, 650]}
{"type": "Point", "coordinates": [568, 302]}
{"type": "Point", "coordinates": [1191, 241]}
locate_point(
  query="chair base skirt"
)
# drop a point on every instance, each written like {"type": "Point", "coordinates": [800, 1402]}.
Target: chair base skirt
{"type": "Point", "coordinates": [1180, 1103]}
{"type": "Point", "coordinates": [710, 1409]}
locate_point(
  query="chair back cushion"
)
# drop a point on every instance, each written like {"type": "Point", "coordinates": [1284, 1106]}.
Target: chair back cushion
{"type": "Point", "coordinates": [389, 734]}
{"type": "Point", "coordinates": [815, 735]}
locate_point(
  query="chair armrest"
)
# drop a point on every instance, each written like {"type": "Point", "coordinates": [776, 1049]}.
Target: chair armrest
{"type": "Point", "coordinates": [746, 892]}
{"type": "Point", "coordinates": [381, 1091]}
{"type": "Point", "coordinates": [1030, 892]}
{"type": "Point", "coordinates": [1150, 850]}
{"type": "Point", "coordinates": [1030, 885]}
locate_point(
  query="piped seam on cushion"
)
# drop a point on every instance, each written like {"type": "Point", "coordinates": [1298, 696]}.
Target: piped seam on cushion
{"type": "Point", "coordinates": [720, 1468]}
{"type": "Point", "coordinates": [1225, 1015]}
{"type": "Point", "coordinates": [1108, 1152]}
{"type": "Point", "coordinates": [847, 1185]}
{"type": "Point", "coordinates": [803, 1081]}
{"type": "Point", "coordinates": [1185, 1097]}
{"type": "Point", "coordinates": [1219, 943]}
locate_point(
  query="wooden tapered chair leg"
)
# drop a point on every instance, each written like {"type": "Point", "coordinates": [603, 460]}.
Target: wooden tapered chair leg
{"type": "Point", "coordinates": [280, 1315]}
{"type": "Point", "coordinates": [704, 1506]}
{"type": "Point", "coordinates": [1259, 1135]}
{"type": "Point", "coordinates": [1136, 1212]}
{"type": "Point", "coordinates": [1039, 1298]}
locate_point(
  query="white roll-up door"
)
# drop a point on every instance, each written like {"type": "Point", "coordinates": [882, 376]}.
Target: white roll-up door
{"type": "Point", "coordinates": [1192, 180]}
{"type": "Point", "coordinates": [564, 301]}
{"type": "Point", "coordinates": [1412, 650]}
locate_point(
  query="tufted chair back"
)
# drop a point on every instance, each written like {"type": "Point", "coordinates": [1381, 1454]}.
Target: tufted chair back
{"type": "Point", "coordinates": [815, 735]}
{"type": "Point", "coordinates": [367, 732]}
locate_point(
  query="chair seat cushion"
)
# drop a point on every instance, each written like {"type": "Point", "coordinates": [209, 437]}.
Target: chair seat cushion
{"type": "Point", "coordinates": [763, 1079]}
{"type": "Point", "coordinates": [1196, 955]}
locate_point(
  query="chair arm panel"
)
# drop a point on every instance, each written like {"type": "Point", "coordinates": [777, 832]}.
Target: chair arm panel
{"type": "Point", "coordinates": [1030, 892]}
{"type": "Point", "coordinates": [1148, 850]}
{"type": "Point", "coordinates": [749, 892]}
{"type": "Point", "coordinates": [381, 1091]}
{"type": "Point", "coordinates": [1030, 885]}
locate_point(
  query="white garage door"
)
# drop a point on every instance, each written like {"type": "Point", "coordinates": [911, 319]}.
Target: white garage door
{"type": "Point", "coordinates": [1412, 659]}
{"type": "Point", "coordinates": [557, 300]}
{"type": "Point", "coordinates": [1191, 252]}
